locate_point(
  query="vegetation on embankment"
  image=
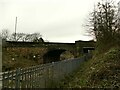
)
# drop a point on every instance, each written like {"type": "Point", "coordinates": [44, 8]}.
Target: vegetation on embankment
{"type": "Point", "coordinates": [102, 71]}
{"type": "Point", "coordinates": [21, 57]}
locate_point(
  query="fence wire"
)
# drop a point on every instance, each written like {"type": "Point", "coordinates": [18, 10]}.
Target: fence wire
{"type": "Point", "coordinates": [41, 76]}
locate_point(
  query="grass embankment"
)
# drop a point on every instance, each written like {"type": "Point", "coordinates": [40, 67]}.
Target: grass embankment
{"type": "Point", "coordinates": [103, 71]}
{"type": "Point", "coordinates": [19, 63]}
{"type": "Point", "coordinates": [18, 57]}
{"type": "Point", "coordinates": [22, 57]}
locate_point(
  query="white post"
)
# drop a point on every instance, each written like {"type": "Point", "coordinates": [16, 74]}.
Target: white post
{"type": "Point", "coordinates": [15, 28]}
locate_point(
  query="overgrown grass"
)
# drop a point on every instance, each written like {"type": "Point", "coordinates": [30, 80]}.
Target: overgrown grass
{"type": "Point", "coordinates": [103, 71]}
{"type": "Point", "coordinates": [19, 63]}
{"type": "Point", "coordinates": [9, 63]}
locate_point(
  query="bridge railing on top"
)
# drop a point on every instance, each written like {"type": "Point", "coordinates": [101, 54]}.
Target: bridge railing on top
{"type": "Point", "coordinates": [41, 76]}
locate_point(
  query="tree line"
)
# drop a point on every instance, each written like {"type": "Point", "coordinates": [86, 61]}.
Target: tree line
{"type": "Point", "coordinates": [25, 37]}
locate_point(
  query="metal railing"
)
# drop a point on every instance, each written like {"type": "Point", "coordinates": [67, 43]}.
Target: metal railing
{"type": "Point", "coordinates": [41, 76]}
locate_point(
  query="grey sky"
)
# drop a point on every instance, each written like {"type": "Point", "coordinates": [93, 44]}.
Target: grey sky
{"type": "Point", "coordinates": [56, 20]}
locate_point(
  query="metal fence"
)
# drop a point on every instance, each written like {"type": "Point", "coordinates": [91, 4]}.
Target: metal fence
{"type": "Point", "coordinates": [41, 76]}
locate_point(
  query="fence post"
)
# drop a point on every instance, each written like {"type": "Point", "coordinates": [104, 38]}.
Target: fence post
{"type": "Point", "coordinates": [52, 74]}
{"type": "Point", "coordinates": [17, 78]}
{"type": "Point", "coordinates": [3, 80]}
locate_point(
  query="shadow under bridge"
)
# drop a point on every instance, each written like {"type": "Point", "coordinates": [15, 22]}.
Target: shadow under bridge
{"type": "Point", "coordinates": [53, 55]}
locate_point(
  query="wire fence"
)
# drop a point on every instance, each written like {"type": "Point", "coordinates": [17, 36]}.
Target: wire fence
{"type": "Point", "coordinates": [41, 76]}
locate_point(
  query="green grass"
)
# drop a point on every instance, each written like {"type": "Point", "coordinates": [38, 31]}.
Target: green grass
{"type": "Point", "coordinates": [103, 71]}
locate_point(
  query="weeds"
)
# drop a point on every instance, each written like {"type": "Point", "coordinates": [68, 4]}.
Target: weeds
{"type": "Point", "coordinates": [103, 71]}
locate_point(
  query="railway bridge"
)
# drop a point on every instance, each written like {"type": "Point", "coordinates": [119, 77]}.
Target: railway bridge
{"type": "Point", "coordinates": [47, 52]}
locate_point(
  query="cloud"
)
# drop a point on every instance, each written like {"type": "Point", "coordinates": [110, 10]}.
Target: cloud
{"type": "Point", "coordinates": [55, 19]}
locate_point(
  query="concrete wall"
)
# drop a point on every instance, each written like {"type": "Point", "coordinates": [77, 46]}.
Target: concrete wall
{"type": "Point", "coordinates": [0, 60]}
{"type": "Point", "coordinates": [119, 9]}
{"type": "Point", "coordinates": [0, 54]}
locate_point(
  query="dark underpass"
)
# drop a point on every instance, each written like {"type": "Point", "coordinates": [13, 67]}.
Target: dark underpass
{"type": "Point", "coordinates": [88, 49]}
{"type": "Point", "coordinates": [53, 55]}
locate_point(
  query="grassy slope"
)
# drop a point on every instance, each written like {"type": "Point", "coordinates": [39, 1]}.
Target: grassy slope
{"type": "Point", "coordinates": [22, 62]}
{"type": "Point", "coordinates": [19, 63]}
{"type": "Point", "coordinates": [101, 71]}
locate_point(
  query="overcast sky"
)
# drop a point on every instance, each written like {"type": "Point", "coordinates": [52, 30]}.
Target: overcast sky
{"type": "Point", "coordinates": [56, 20]}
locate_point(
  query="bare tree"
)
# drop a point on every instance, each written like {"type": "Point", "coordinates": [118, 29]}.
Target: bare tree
{"type": "Point", "coordinates": [18, 36]}
{"type": "Point", "coordinates": [34, 37]}
{"type": "Point", "coordinates": [5, 34]}
{"type": "Point", "coordinates": [103, 22]}
{"type": "Point", "coordinates": [26, 37]}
